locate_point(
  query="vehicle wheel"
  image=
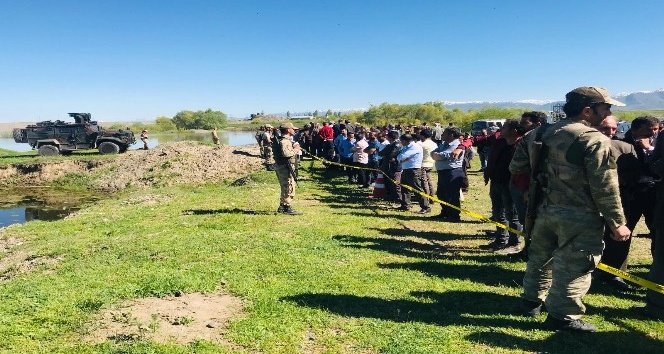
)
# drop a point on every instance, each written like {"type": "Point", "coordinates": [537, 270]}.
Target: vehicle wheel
{"type": "Point", "coordinates": [108, 147]}
{"type": "Point", "coordinates": [48, 150]}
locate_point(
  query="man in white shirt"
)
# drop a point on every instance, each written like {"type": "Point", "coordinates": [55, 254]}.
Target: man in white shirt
{"type": "Point", "coordinates": [361, 159]}
{"type": "Point", "coordinates": [427, 161]}
{"type": "Point", "coordinates": [410, 159]}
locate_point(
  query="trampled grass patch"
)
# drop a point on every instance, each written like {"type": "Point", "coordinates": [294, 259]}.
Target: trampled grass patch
{"type": "Point", "coordinates": [345, 277]}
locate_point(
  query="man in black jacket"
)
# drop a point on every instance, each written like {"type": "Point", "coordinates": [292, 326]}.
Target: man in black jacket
{"type": "Point", "coordinates": [643, 195]}
{"type": "Point", "coordinates": [391, 167]}
{"type": "Point", "coordinates": [497, 171]}
{"type": "Point", "coordinates": [654, 307]}
{"type": "Point", "coordinates": [616, 252]}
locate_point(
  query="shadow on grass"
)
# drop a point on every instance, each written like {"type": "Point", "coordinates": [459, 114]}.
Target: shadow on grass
{"type": "Point", "coordinates": [630, 341]}
{"type": "Point", "coordinates": [244, 153]}
{"type": "Point", "coordinates": [406, 248]}
{"type": "Point", "coordinates": [428, 235]}
{"type": "Point", "coordinates": [460, 308]}
{"type": "Point", "coordinates": [226, 211]}
{"type": "Point", "coordinates": [489, 274]}
{"type": "Point", "coordinates": [409, 215]}
{"type": "Point", "coordinates": [417, 249]}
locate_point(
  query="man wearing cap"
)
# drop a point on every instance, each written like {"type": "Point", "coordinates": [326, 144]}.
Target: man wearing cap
{"type": "Point", "coordinates": [579, 195]}
{"type": "Point", "coordinates": [285, 155]}
{"type": "Point", "coordinates": [266, 137]}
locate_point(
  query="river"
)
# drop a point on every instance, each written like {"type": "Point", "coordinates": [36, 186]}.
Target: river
{"type": "Point", "coordinates": [17, 208]}
{"type": "Point", "coordinates": [232, 138]}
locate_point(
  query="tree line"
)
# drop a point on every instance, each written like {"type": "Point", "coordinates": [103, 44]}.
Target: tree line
{"type": "Point", "coordinates": [183, 120]}
{"type": "Point", "coordinates": [430, 113]}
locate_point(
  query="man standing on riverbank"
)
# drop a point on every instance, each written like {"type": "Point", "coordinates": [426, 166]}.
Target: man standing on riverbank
{"type": "Point", "coordinates": [144, 139]}
{"type": "Point", "coordinates": [215, 137]}
{"type": "Point", "coordinates": [285, 155]}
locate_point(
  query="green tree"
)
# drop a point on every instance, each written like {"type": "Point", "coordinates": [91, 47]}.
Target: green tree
{"type": "Point", "coordinates": [316, 114]}
{"type": "Point", "coordinates": [164, 124]}
{"type": "Point", "coordinates": [288, 114]}
{"type": "Point", "coordinates": [207, 119]}
{"type": "Point", "coordinates": [328, 113]}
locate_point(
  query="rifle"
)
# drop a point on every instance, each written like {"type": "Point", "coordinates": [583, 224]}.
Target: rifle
{"type": "Point", "coordinates": [537, 156]}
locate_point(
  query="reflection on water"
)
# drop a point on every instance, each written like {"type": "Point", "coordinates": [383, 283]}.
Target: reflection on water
{"type": "Point", "coordinates": [20, 208]}
{"type": "Point", "coordinates": [231, 138]}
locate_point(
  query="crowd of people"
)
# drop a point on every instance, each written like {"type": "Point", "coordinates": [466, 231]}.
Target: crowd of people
{"type": "Point", "coordinates": [593, 188]}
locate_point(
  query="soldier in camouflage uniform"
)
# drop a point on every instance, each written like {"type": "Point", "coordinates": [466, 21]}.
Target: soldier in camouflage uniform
{"type": "Point", "coordinates": [259, 140]}
{"type": "Point", "coordinates": [579, 182]}
{"type": "Point", "coordinates": [285, 155]}
{"type": "Point", "coordinates": [267, 138]}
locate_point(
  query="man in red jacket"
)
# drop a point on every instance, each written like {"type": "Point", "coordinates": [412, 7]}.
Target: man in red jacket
{"type": "Point", "coordinates": [326, 134]}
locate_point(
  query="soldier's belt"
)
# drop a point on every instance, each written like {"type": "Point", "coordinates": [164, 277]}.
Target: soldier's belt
{"type": "Point", "coordinates": [617, 272]}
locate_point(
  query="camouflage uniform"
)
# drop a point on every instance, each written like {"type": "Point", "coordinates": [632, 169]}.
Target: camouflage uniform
{"type": "Point", "coordinates": [285, 155]}
{"type": "Point", "coordinates": [266, 137]}
{"type": "Point", "coordinates": [580, 182]}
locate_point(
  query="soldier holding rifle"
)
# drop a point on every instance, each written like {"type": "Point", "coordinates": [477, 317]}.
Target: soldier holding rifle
{"type": "Point", "coordinates": [577, 193]}
{"type": "Point", "coordinates": [285, 155]}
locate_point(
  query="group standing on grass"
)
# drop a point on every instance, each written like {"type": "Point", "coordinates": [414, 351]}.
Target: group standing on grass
{"type": "Point", "coordinates": [593, 189]}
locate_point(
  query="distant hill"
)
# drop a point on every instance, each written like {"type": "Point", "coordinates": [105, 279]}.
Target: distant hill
{"type": "Point", "coordinates": [642, 100]}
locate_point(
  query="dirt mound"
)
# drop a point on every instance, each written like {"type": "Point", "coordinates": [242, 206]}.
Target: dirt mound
{"type": "Point", "coordinates": [180, 162]}
{"type": "Point", "coordinates": [167, 164]}
{"type": "Point", "coordinates": [181, 319]}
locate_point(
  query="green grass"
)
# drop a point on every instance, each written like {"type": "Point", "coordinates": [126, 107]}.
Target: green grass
{"type": "Point", "coordinates": [354, 278]}
{"type": "Point", "coordinates": [5, 152]}
{"type": "Point", "coordinates": [8, 157]}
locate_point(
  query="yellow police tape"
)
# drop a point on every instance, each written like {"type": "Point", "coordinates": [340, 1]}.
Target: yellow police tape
{"type": "Point", "coordinates": [617, 272]}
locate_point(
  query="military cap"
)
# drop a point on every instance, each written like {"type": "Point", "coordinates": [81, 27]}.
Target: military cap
{"type": "Point", "coordinates": [588, 95]}
{"type": "Point", "coordinates": [287, 126]}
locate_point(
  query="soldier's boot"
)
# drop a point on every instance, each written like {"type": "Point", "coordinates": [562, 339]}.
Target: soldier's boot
{"type": "Point", "coordinates": [280, 209]}
{"type": "Point", "coordinates": [530, 308]}
{"type": "Point", "coordinates": [290, 211]}
{"type": "Point", "coordinates": [555, 324]}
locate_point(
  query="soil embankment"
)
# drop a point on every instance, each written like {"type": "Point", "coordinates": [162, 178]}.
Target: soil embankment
{"type": "Point", "coordinates": [167, 164]}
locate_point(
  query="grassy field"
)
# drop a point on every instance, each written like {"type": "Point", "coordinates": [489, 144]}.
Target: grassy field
{"type": "Point", "coordinates": [30, 157]}
{"type": "Point", "coordinates": [346, 277]}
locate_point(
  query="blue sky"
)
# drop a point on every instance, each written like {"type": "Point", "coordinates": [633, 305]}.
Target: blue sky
{"type": "Point", "coordinates": [136, 60]}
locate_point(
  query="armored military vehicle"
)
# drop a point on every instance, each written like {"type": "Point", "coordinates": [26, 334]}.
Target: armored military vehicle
{"type": "Point", "coordinates": [57, 137]}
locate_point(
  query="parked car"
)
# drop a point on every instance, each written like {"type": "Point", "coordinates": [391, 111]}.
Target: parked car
{"type": "Point", "coordinates": [623, 127]}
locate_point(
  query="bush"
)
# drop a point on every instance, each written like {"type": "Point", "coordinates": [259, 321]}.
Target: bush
{"type": "Point", "coordinates": [207, 119]}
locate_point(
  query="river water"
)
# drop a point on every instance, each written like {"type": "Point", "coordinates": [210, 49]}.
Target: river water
{"type": "Point", "coordinates": [17, 207]}
{"type": "Point", "coordinates": [232, 138]}
{"type": "Point", "coordinates": [20, 207]}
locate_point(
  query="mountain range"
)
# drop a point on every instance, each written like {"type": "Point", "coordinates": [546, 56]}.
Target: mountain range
{"type": "Point", "coordinates": [641, 100]}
